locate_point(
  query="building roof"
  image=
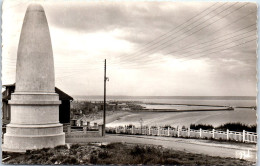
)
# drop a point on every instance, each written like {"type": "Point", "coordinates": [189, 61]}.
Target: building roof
{"type": "Point", "coordinates": [62, 95]}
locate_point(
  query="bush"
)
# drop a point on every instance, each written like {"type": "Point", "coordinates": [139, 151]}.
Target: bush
{"type": "Point", "coordinates": [201, 126]}
{"type": "Point", "coordinates": [137, 150]}
{"type": "Point", "coordinates": [74, 146]}
{"type": "Point", "coordinates": [172, 161]}
{"type": "Point", "coordinates": [93, 159]}
{"type": "Point", "coordinates": [166, 127]}
{"type": "Point", "coordinates": [60, 147]}
{"type": "Point", "coordinates": [70, 160]}
{"type": "Point", "coordinates": [237, 127]}
{"type": "Point", "coordinates": [103, 154]}
{"type": "Point", "coordinates": [44, 149]}
{"type": "Point", "coordinates": [114, 145]}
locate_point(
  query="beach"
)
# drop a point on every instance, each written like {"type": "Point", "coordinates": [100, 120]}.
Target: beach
{"type": "Point", "coordinates": [161, 110]}
{"type": "Point", "coordinates": [215, 118]}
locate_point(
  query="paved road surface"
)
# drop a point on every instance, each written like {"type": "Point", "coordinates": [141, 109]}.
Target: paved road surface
{"type": "Point", "coordinates": [208, 147]}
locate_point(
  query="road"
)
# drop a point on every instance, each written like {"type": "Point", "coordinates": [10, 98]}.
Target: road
{"type": "Point", "coordinates": [208, 147]}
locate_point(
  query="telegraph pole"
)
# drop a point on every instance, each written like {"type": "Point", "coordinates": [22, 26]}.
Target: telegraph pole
{"type": "Point", "coordinates": [104, 114]}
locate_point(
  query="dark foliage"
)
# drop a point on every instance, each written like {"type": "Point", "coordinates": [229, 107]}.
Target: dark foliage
{"type": "Point", "coordinates": [231, 126]}
{"type": "Point", "coordinates": [114, 145]}
{"type": "Point", "coordinates": [74, 146]}
{"type": "Point", "coordinates": [103, 154]}
{"type": "Point", "coordinates": [93, 159]}
{"type": "Point", "coordinates": [61, 147]}
{"type": "Point", "coordinates": [118, 154]}
{"type": "Point", "coordinates": [201, 126]}
{"type": "Point", "coordinates": [237, 127]}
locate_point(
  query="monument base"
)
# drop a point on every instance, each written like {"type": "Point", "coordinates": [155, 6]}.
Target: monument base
{"type": "Point", "coordinates": [34, 122]}
{"type": "Point", "coordinates": [29, 137]}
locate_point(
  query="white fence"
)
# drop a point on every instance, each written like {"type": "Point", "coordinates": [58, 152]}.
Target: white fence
{"type": "Point", "coordinates": [171, 132]}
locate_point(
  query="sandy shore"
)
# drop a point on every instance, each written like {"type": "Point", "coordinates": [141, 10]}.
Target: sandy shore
{"type": "Point", "coordinates": [113, 117]}
{"type": "Point", "coordinates": [215, 118]}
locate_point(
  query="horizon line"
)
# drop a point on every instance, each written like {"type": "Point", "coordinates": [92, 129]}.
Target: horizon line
{"type": "Point", "coordinates": [164, 96]}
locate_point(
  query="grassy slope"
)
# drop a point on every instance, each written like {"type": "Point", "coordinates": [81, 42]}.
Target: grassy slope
{"type": "Point", "coordinates": [117, 153]}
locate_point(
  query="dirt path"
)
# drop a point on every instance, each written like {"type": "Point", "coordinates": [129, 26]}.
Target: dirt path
{"type": "Point", "coordinates": [212, 148]}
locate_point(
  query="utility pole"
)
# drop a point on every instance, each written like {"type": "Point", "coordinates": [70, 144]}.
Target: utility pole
{"type": "Point", "coordinates": [104, 114]}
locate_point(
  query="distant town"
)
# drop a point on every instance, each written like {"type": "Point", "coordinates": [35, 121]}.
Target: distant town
{"type": "Point", "coordinates": [92, 110]}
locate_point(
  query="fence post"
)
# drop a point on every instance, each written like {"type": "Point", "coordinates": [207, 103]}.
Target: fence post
{"type": "Point", "coordinates": [85, 130]}
{"type": "Point", "coordinates": [227, 134]}
{"type": "Point", "coordinates": [244, 135]}
{"type": "Point", "coordinates": [69, 129]}
{"type": "Point", "coordinates": [88, 125]}
{"type": "Point", "coordinates": [125, 129]}
{"type": "Point", "coordinates": [168, 131]}
{"type": "Point", "coordinates": [213, 133]}
{"type": "Point", "coordinates": [189, 132]}
{"type": "Point", "coordinates": [200, 132]}
{"type": "Point", "coordinates": [149, 130]}
{"type": "Point", "coordinates": [95, 126]}
{"type": "Point", "coordinates": [81, 123]}
{"type": "Point", "coordinates": [158, 131]}
{"type": "Point", "coordinates": [178, 132]}
{"type": "Point", "coordinates": [132, 129]}
{"type": "Point", "coordinates": [100, 127]}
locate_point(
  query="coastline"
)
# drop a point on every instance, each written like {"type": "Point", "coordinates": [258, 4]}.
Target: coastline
{"type": "Point", "coordinates": [179, 118]}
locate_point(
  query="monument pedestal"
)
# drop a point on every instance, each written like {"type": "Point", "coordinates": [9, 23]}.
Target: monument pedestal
{"type": "Point", "coordinates": [34, 123]}
{"type": "Point", "coordinates": [37, 137]}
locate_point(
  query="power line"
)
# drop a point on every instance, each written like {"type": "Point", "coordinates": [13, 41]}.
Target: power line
{"type": "Point", "coordinates": [206, 25]}
{"type": "Point", "coordinates": [220, 46]}
{"type": "Point", "coordinates": [198, 49]}
{"type": "Point", "coordinates": [211, 45]}
{"type": "Point", "coordinates": [209, 42]}
{"type": "Point", "coordinates": [72, 74]}
{"type": "Point", "coordinates": [175, 28]}
{"type": "Point", "coordinates": [223, 44]}
{"type": "Point", "coordinates": [211, 23]}
{"type": "Point", "coordinates": [206, 42]}
{"type": "Point", "coordinates": [216, 42]}
{"type": "Point", "coordinates": [133, 57]}
{"type": "Point", "coordinates": [223, 49]}
{"type": "Point", "coordinates": [202, 52]}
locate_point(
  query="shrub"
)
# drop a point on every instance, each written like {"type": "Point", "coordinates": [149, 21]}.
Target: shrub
{"type": "Point", "coordinates": [137, 150]}
{"type": "Point", "coordinates": [59, 147]}
{"type": "Point", "coordinates": [44, 149]}
{"type": "Point", "coordinates": [103, 154]}
{"type": "Point", "coordinates": [166, 127]}
{"type": "Point", "coordinates": [237, 127]}
{"type": "Point", "coordinates": [70, 160]}
{"type": "Point", "coordinates": [201, 126]}
{"type": "Point", "coordinates": [114, 145]}
{"type": "Point", "coordinates": [74, 146]}
{"type": "Point", "coordinates": [93, 159]}
{"type": "Point", "coordinates": [172, 161]}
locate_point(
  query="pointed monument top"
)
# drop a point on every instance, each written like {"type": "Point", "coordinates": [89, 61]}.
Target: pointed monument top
{"type": "Point", "coordinates": [35, 66]}
{"type": "Point", "coordinates": [35, 7]}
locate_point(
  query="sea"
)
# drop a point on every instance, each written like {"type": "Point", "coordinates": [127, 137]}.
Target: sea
{"type": "Point", "coordinates": [241, 114]}
{"type": "Point", "coordinates": [237, 101]}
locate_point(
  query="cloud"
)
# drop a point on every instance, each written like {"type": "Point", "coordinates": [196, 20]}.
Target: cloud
{"type": "Point", "coordinates": [85, 33]}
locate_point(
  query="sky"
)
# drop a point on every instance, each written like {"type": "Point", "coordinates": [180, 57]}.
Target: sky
{"type": "Point", "coordinates": [151, 48]}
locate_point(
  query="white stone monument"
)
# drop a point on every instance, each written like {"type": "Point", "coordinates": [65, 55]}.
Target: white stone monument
{"type": "Point", "coordinates": [34, 104]}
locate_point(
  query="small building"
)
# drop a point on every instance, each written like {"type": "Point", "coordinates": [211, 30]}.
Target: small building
{"type": "Point", "coordinates": [64, 107]}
